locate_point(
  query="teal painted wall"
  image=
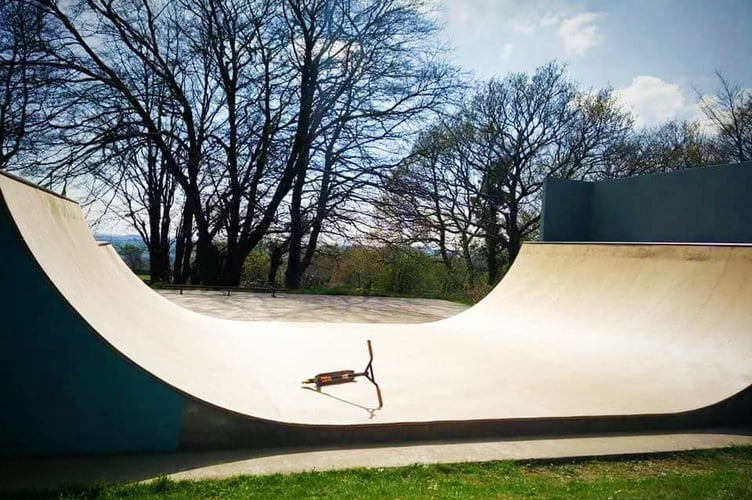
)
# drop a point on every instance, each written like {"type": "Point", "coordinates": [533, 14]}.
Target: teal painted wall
{"type": "Point", "coordinates": [62, 389]}
{"type": "Point", "coordinates": [706, 205]}
{"type": "Point", "coordinates": [566, 210]}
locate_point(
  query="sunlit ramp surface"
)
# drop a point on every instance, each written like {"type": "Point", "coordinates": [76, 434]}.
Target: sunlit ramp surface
{"type": "Point", "coordinates": [575, 339]}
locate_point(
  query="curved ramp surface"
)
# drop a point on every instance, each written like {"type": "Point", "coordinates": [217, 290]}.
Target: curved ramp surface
{"type": "Point", "coordinates": [575, 338]}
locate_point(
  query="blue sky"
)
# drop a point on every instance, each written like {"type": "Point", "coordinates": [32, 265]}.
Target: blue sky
{"type": "Point", "coordinates": [656, 54]}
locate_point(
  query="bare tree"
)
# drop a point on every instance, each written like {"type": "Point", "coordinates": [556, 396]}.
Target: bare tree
{"type": "Point", "coordinates": [108, 47]}
{"type": "Point", "coordinates": [429, 199]}
{"type": "Point", "coordinates": [377, 72]}
{"type": "Point", "coordinates": [262, 105]}
{"type": "Point", "coordinates": [145, 194]}
{"type": "Point", "coordinates": [520, 130]}
{"type": "Point", "coordinates": [481, 176]}
{"type": "Point", "coordinates": [24, 85]}
{"type": "Point", "coordinates": [730, 109]}
{"type": "Point", "coordinates": [671, 146]}
{"type": "Point", "coordinates": [228, 88]}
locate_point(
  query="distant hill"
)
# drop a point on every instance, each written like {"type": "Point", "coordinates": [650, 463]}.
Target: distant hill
{"type": "Point", "coordinates": [119, 239]}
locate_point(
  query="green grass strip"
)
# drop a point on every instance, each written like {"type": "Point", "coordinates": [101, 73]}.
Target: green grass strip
{"type": "Point", "coordinates": [725, 473]}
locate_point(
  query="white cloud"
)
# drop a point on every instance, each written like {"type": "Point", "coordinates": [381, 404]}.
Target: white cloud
{"type": "Point", "coordinates": [548, 20]}
{"type": "Point", "coordinates": [579, 33]}
{"type": "Point", "coordinates": [524, 26]}
{"type": "Point", "coordinates": [653, 101]}
{"type": "Point", "coordinates": [707, 126]}
{"type": "Point", "coordinates": [541, 30]}
{"type": "Point", "coordinates": [506, 50]}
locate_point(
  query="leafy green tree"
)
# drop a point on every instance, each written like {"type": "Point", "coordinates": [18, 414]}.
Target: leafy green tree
{"type": "Point", "coordinates": [256, 268]}
{"type": "Point", "coordinates": [133, 256]}
{"type": "Point", "coordinates": [358, 267]}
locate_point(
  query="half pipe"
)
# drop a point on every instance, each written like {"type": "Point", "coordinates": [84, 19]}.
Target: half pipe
{"type": "Point", "coordinates": [576, 338]}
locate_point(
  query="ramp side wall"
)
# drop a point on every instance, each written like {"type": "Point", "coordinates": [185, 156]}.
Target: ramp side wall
{"type": "Point", "coordinates": [566, 210]}
{"type": "Point", "coordinates": [64, 390]}
{"type": "Point", "coordinates": [704, 205]}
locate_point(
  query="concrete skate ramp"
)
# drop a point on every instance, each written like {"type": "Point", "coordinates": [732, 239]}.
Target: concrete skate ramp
{"type": "Point", "coordinates": [576, 338]}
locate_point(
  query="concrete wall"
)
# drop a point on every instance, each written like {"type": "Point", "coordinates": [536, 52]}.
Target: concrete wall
{"type": "Point", "coordinates": [709, 205]}
{"type": "Point", "coordinates": [64, 390]}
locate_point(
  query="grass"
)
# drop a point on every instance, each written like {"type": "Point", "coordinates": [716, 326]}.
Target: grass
{"type": "Point", "coordinates": [725, 473]}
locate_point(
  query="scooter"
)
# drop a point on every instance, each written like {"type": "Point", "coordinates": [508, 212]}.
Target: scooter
{"type": "Point", "coordinates": [345, 376]}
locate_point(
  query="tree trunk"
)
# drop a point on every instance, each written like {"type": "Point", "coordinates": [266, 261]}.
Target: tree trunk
{"type": "Point", "coordinates": [467, 256]}
{"type": "Point", "coordinates": [208, 262]}
{"type": "Point", "coordinates": [183, 247]}
{"type": "Point", "coordinates": [158, 271]}
{"type": "Point", "coordinates": [515, 243]}
{"type": "Point", "coordinates": [233, 268]}
{"type": "Point", "coordinates": [164, 234]}
{"type": "Point", "coordinates": [159, 264]}
{"type": "Point", "coordinates": [513, 233]}
{"type": "Point", "coordinates": [493, 240]}
{"type": "Point", "coordinates": [276, 254]}
{"type": "Point", "coordinates": [492, 259]}
{"type": "Point", "coordinates": [308, 80]}
{"type": "Point", "coordinates": [294, 273]}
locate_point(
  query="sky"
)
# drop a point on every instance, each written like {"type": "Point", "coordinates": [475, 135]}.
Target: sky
{"type": "Point", "coordinates": [657, 55]}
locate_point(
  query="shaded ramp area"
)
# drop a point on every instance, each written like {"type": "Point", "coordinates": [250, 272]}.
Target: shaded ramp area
{"type": "Point", "coordinates": [575, 339]}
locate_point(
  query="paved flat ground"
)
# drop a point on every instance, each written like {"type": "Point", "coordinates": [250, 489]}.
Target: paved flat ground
{"type": "Point", "coordinates": [327, 308]}
{"type": "Point", "coordinates": [41, 473]}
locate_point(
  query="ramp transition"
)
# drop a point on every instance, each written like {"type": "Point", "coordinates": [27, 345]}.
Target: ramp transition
{"type": "Point", "coordinates": [576, 339]}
